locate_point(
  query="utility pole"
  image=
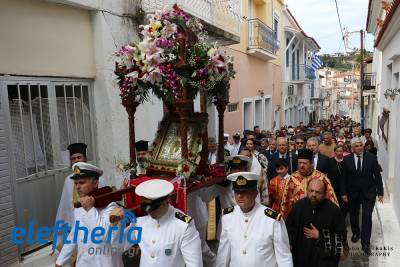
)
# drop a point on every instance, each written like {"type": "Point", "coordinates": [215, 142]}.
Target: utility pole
{"type": "Point", "coordinates": [362, 80]}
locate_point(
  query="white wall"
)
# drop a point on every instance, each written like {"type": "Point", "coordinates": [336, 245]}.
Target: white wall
{"type": "Point", "coordinates": [389, 158]}
{"type": "Point", "coordinates": [110, 33]}
{"type": "Point", "coordinates": [45, 39]}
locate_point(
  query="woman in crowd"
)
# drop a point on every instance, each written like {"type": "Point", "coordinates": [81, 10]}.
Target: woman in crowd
{"type": "Point", "coordinates": [337, 177]}
{"type": "Point", "coordinates": [259, 166]}
{"type": "Point", "coordinates": [370, 147]}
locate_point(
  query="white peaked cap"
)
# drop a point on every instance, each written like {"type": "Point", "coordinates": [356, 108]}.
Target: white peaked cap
{"type": "Point", "coordinates": [154, 189]}
{"type": "Point", "coordinates": [250, 176]}
{"type": "Point", "coordinates": [85, 169]}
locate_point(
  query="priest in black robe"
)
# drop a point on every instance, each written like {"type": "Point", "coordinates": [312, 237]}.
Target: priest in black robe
{"type": "Point", "coordinates": [315, 227]}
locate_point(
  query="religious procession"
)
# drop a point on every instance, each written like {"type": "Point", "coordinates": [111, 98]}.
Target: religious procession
{"type": "Point", "coordinates": [215, 134]}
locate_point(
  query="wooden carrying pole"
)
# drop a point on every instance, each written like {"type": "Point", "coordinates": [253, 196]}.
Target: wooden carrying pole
{"type": "Point", "coordinates": [221, 106]}
{"type": "Point", "coordinates": [131, 109]}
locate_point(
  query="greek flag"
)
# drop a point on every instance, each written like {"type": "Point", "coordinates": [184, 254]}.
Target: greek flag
{"type": "Point", "coordinates": [316, 63]}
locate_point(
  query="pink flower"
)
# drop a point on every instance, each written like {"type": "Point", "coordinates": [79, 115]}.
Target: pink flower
{"type": "Point", "coordinates": [153, 76]}
{"type": "Point", "coordinates": [169, 29]}
{"type": "Point", "coordinates": [152, 52]}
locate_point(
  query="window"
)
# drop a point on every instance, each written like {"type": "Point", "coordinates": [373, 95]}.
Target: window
{"type": "Point", "coordinates": [276, 28]}
{"type": "Point", "coordinates": [45, 117]}
{"type": "Point", "coordinates": [233, 107]}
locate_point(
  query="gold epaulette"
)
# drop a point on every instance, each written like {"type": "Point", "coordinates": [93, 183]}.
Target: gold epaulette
{"type": "Point", "coordinates": [272, 214]}
{"type": "Point", "coordinates": [183, 217]}
{"type": "Point", "coordinates": [227, 210]}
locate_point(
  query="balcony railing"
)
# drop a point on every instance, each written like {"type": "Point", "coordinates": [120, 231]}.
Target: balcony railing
{"type": "Point", "coordinates": [221, 18]}
{"type": "Point", "coordinates": [262, 37]}
{"type": "Point", "coordinates": [302, 72]}
{"type": "Point", "coordinates": [369, 81]}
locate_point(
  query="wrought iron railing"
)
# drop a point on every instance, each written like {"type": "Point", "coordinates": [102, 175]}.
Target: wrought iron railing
{"type": "Point", "coordinates": [369, 81]}
{"type": "Point", "coordinates": [225, 15]}
{"type": "Point", "coordinates": [302, 72]}
{"type": "Point", "coordinates": [261, 37]}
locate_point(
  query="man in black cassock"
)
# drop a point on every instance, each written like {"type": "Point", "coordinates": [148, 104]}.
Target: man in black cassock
{"type": "Point", "coordinates": [315, 228]}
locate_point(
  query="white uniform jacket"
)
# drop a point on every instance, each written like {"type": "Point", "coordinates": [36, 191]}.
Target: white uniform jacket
{"type": "Point", "coordinates": [253, 239]}
{"type": "Point", "coordinates": [105, 254]}
{"type": "Point", "coordinates": [171, 241]}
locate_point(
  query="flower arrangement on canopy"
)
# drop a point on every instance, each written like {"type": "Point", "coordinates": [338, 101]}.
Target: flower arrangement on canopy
{"type": "Point", "coordinates": [155, 64]}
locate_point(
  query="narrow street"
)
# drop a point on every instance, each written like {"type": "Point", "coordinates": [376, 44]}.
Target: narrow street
{"type": "Point", "coordinates": [385, 248]}
{"type": "Point", "coordinates": [208, 133]}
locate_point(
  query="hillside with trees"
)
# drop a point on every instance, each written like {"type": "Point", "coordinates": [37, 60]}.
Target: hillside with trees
{"type": "Point", "coordinates": [344, 62]}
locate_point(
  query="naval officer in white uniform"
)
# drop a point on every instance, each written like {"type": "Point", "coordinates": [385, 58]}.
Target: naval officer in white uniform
{"type": "Point", "coordinates": [86, 179]}
{"type": "Point", "coordinates": [65, 211]}
{"type": "Point", "coordinates": [252, 235]}
{"type": "Point", "coordinates": [169, 237]}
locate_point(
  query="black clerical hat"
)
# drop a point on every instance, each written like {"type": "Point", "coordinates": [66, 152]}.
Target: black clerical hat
{"type": "Point", "coordinates": [305, 154]}
{"type": "Point", "coordinates": [142, 145]}
{"type": "Point", "coordinates": [77, 148]}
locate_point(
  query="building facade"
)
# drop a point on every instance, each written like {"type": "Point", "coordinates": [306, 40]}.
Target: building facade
{"type": "Point", "coordinates": [298, 85]}
{"type": "Point", "coordinates": [384, 23]}
{"type": "Point", "coordinates": [255, 94]}
{"type": "Point", "coordinates": [339, 93]}
{"type": "Point", "coordinates": [57, 87]}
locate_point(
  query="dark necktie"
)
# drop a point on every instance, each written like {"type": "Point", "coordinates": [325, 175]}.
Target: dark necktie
{"type": "Point", "coordinates": [359, 164]}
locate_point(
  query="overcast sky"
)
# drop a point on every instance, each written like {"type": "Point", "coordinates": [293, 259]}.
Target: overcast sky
{"type": "Point", "coordinates": [318, 18]}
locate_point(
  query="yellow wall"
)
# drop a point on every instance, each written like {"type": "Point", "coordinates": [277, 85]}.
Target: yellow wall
{"type": "Point", "coordinates": [44, 39]}
{"type": "Point", "coordinates": [264, 13]}
{"type": "Point", "coordinates": [278, 7]}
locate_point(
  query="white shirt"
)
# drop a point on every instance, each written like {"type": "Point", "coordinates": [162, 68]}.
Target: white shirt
{"type": "Point", "coordinates": [65, 209]}
{"type": "Point", "coordinates": [315, 158]}
{"type": "Point", "coordinates": [227, 146]}
{"type": "Point", "coordinates": [86, 256]}
{"type": "Point", "coordinates": [282, 156]}
{"type": "Point", "coordinates": [169, 241]}
{"type": "Point", "coordinates": [255, 165]}
{"type": "Point", "coordinates": [253, 239]}
{"type": "Point", "coordinates": [356, 160]}
{"type": "Point", "coordinates": [234, 149]}
{"type": "Point", "coordinates": [212, 158]}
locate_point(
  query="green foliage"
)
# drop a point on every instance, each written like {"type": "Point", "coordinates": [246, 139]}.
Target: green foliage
{"type": "Point", "coordinates": [344, 62]}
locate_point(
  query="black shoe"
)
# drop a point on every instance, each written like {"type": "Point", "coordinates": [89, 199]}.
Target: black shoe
{"type": "Point", "coordinates": [355, 237]}
{"type": "Point", "coordinates": [366, 249]}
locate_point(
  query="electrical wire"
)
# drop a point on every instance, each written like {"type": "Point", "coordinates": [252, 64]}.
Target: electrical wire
{"type": "Point", "coordinates": [340, 25]}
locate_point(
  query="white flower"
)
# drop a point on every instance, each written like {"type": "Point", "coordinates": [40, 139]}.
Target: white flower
{"type": "Point", "coordinates": [154, 76]}
{"type": "Point", "coordinates": [211, 52]}
{"type": "Point", "coordinates": [152, 52]}
{"type": "Point", "coordinates": [169, 29]}
{"type": "Point", "coordinates": [171, 57]}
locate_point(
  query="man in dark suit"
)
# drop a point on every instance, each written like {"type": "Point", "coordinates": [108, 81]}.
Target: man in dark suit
{"type": "Point", "coordinates": [364, 184]}
{"type": "Point", "coordinates": [271, 148]}
{"type": "Point", "coordinates": [320, 161]}
{"type": "Point", "coordinates": [281, 153]}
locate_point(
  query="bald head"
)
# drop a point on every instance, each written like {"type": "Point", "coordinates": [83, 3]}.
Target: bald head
{"type": "Point", "coordinates": [316, 191]}
{"type": "Point", "coordinates": [317, 184]}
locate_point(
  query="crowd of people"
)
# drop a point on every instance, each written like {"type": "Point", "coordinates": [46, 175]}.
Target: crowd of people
{"type": "Point", "coordinates": [337, 152]}
{"type": "Point", "coordinates": [284, 202]}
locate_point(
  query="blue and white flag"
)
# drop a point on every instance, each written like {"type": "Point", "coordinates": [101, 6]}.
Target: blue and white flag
{"type": "Point", "coordinates": [316, 63]}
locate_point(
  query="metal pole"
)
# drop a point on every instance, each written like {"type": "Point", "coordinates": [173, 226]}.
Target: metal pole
{"type": "Point", "coordinates": [362, 79]}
